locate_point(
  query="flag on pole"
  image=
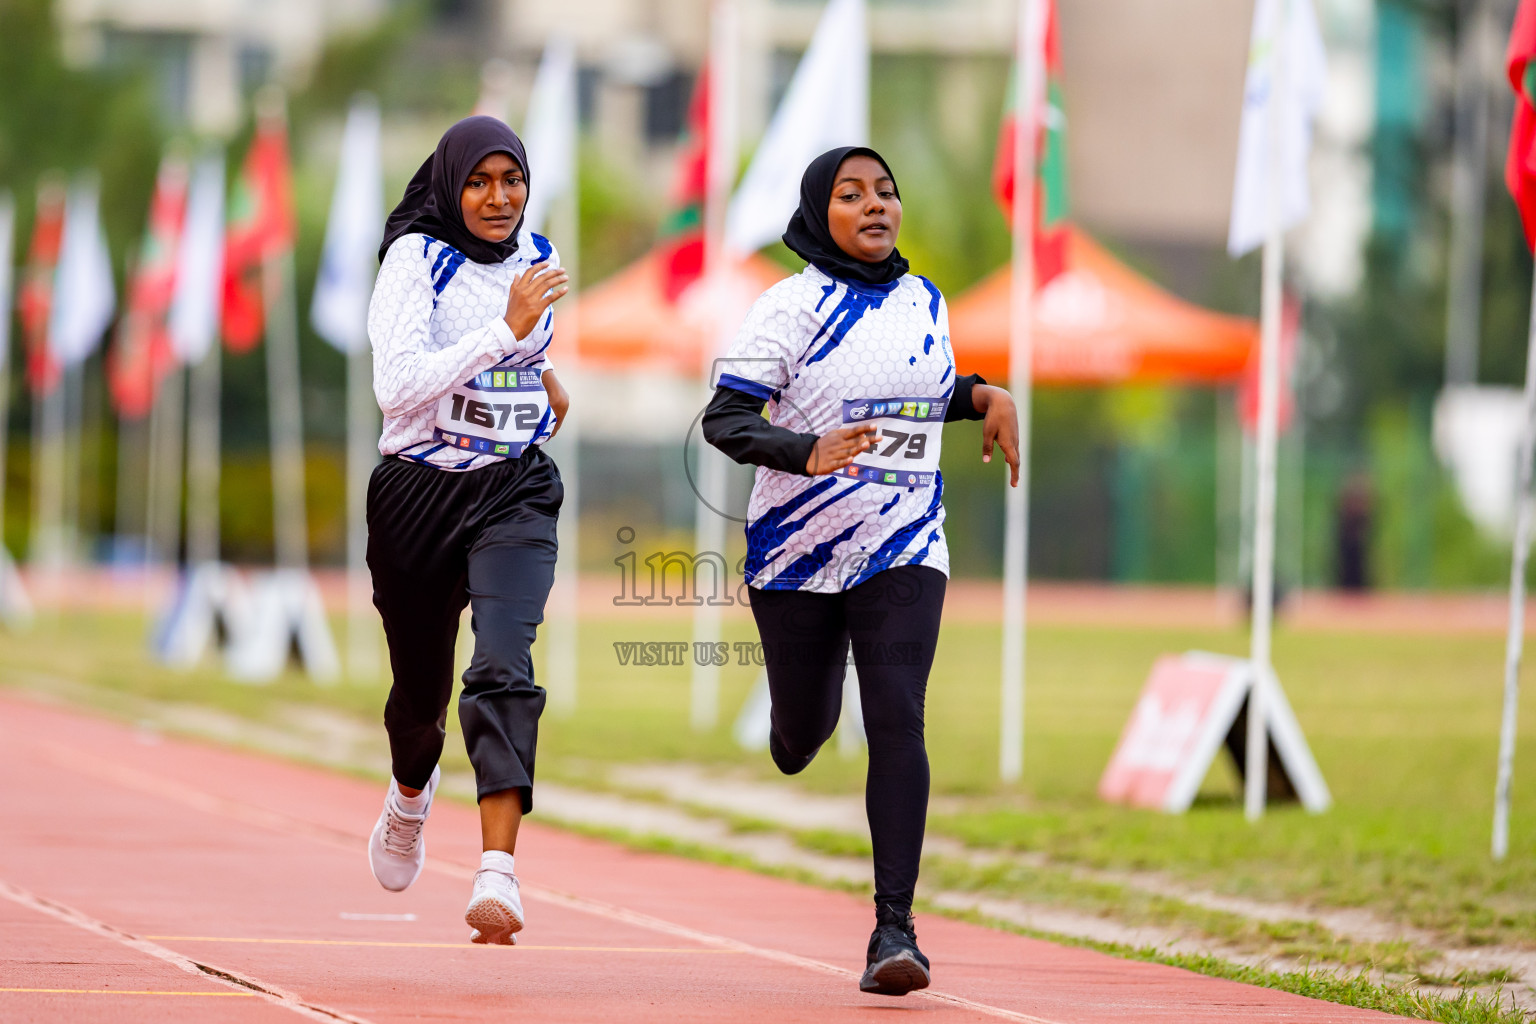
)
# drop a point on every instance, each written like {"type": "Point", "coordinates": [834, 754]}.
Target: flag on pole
{"type": "Point", "coordinates": [198, 299]}
{"type": "Point", "coordinates": [36, 297]}
{"type": "Point", "coordinates": [1303, 79]}
{"type": "Point", "coordinates": [826, 105]}
{"type": "Point", "coordinates": [1520, 165]}
{"type": "Point", "coordinates": [84, 295]}
{"type": "Point", "coordinates": [682, 231]}
{"type": "Point", "coordinates": [1050, 127]}
{"type": "Point", "coordinates": [261, 225]}
{"type": "Point", "coordinates": [1520, 176]}
{"type": "Point", "coordinates": [339, 310]}
{"type": "Point", "coordinates": [549, 134]}
{"type": "Point", "coordinates": [141, 353]}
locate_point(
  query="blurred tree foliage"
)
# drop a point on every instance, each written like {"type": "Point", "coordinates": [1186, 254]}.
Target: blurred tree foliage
{"type": "Point", "coordinates": [56, 117]}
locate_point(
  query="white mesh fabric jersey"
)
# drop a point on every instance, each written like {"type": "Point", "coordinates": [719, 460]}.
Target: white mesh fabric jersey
{"type": "Point", "coordinates": [435, 321]}
{"type": "Point", "coordinates": [825, 352]}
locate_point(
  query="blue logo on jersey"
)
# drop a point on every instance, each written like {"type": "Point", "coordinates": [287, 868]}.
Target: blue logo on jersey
{"type": "Point", "coordinates": [858, 412]}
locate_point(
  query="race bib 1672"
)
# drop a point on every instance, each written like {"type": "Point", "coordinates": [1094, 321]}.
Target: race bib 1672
{"type": "Point", "coordinates": [497, 412]}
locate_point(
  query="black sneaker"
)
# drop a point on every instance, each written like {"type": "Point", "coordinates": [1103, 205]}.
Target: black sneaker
{"type": "Point", "coordinates": [787, 763]}
{"type": "Point", "coordinates": [896, 965]}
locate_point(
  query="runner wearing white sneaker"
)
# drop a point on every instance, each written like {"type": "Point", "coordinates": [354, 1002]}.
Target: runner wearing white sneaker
{"type": "Point", "coordinates": [495, 909]}
{"type": "Point", "coordinates": [462, 509]}
{"type": "Point", "coordinates": [396, 850]}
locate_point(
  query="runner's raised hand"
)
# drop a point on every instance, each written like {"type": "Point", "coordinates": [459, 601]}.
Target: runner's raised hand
{"type": "Point", "coordinates": [836, 448]}
{"type": "Point", "coordinates": [530, 295]}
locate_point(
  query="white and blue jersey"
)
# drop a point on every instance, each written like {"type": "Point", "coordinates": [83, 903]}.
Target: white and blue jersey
{"type": "Point", "coordinates": [827, 353]}
{"type": "Point", "coordinates": [435, 322]}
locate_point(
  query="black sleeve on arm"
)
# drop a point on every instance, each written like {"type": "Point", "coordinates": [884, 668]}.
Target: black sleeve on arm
{"type": "Point", "coordinates": [960, 405]}
{"type": "Point", "coordinates": [734, 424]}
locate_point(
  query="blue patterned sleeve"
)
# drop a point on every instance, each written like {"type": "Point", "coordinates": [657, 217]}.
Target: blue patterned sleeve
{"type": "Point", "coordinates": [408, 372]}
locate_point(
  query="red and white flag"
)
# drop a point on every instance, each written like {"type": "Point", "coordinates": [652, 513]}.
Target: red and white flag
{"type": "Point", "coordinates": [1520, 165]}
{"type": "Point", "coordinates": [261, 227]}
{"type": "Point", "coordinates": [682, 231]}
{"type": "Point", "coordinates": [141, 354]}
{"type": "Point", "coordinates": [1049, 123]}
{"type": "Point", "coordinates": [35, 301]}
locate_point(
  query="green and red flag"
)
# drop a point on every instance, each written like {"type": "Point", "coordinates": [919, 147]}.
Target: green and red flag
{"type": "Point", "coordinates": [682, 232]}
{"type": "Point", "coordinates": [142, 355]}
{"type": "Point", "coordinates": [1049, 125]}
{"type": "Point", "coordinates": [261, 227]}
{"type": "Point", "coordinates": [1520, 166]}
{"type": "Point", "coordinates": [35, 301]}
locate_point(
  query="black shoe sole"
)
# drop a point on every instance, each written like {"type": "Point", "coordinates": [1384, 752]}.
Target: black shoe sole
{"type": "Point", "coordinates": [894, 976]}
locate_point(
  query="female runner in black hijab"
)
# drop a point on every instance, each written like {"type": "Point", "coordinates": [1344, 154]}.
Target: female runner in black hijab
{"type": "Point", "coordinates": [845, 537]}
{"type": "Point", "coordinates": [463, 507]}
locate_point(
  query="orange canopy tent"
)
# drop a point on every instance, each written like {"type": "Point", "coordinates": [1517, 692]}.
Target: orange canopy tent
{"type": "Point", "coordinates": [1101, 323]}
{"type": "Point", "coordinates": [626, 321]}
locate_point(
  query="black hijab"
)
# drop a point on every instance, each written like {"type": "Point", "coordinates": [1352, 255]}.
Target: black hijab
{"type": "Point", "coordinates": [431, 201]}
{"type": "Point", "coordinates": [808, 235]}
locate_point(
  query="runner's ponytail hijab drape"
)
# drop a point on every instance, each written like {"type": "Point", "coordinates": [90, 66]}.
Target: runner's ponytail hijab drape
{"type": "Point", "coordinates": [808, 235]}
{"type": "Point", "coordinates": [430, 205]}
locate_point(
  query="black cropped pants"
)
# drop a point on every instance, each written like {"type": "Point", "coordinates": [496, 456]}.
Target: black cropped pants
{"type": "Point", "coordinates": [892, 620]}
{"type": "Point", "coordinates": [438, 540]}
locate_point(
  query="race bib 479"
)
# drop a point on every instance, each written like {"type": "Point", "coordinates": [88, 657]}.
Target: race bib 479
{"type": "Point", "coordinates": [906, 450]}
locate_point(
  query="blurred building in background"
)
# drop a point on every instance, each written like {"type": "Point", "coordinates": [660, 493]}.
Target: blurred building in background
{"type": "Point", "coordinates": [209, 54]}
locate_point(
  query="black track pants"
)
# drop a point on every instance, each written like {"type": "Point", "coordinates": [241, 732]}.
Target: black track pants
{"type": "Point", "coordinates": [892, 620]}
{"type": "Point", "coordinates": [436, 541]}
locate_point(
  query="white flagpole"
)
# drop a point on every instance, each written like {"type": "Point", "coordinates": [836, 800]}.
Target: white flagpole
{"type": "Point", "coordinates": [550, 132]}
{"type": "Point", "coordinates": [48, 475]}
{"type": "Point", "coordinates": [10, 601]}
{"type": "Point", "coordinates": [203, 440]}
{"type": "Point", "coordinates": [565, 623]}
{"type": "Point", "coordinates": [1256, 755]}
{"type": "Point", "coordinates": [194, 325]}
{"type": "Point", "coordinates": [1469, 173]}
{"type": "Point", "coordinates": [284, 414]}
{"type": "Point", "coordinates": [74, 387]}
{"type": "Point", "coordinates": [1516, 636]}
{"type": "Point", "coordinates": [339, 313]}
{"type": "Point", "coordinates": [167, 458]}
{"type": "Point", "coordinates": [1028, 53]}
{"type": "Point", "coordinates": [132, 472]}
{"type": "Point", "coordinates": [7, 282]}
{"type": "Point", "coordinates": [710, 529]}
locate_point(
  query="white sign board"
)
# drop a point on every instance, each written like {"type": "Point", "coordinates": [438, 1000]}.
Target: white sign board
{"type": "Point", "coordinates": [1191, 706]}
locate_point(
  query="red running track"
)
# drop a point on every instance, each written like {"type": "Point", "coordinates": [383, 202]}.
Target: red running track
{"type": "Point", "coordinates": [146, 878]}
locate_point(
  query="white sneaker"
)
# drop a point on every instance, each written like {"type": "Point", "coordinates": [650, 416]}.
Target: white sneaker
{"type": "Point", "coordinates": [495, 908]}
{"type": "Point", "coordinates": [396, 850]}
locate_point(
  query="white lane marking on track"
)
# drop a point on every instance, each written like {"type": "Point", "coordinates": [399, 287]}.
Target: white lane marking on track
{"type": "Point", "coordinates": [131, 992]}
{"type": "Point", "coordinates": [521, 947]}
{"type": "Point", "coordinates": [244, 984]}
{"type": "Point", "coordinates": [156, 785]}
